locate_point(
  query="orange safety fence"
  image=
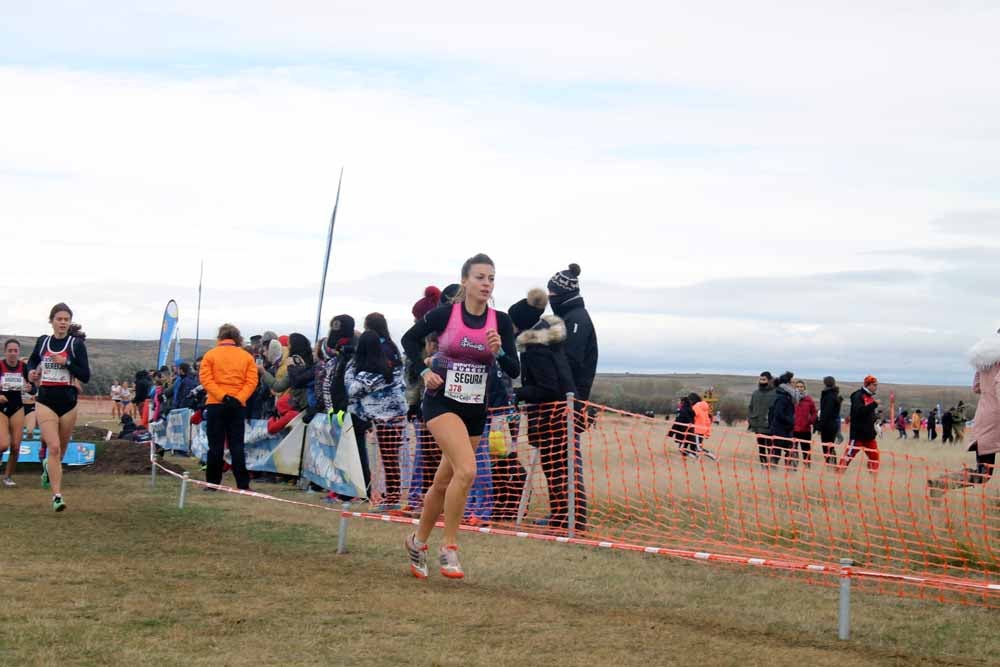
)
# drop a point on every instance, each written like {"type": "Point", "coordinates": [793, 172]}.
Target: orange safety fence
{"type": "Point", "coordinates": [636, 489]}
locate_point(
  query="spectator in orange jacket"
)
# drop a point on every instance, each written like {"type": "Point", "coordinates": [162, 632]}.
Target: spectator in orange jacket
{"type": "Point", "coordinates": [229, 376]}
{"type": "Point", "coordinates": [702, 423]}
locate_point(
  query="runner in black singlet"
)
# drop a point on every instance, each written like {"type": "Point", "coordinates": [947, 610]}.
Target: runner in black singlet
{"type": "Point", "coordinates": [13, 381]}
{"type": "Point", "coordinates": [57, 362]}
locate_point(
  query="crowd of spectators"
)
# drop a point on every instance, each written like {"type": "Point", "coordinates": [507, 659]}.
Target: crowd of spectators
{"type": "Point", "coordinates": [364, 374]}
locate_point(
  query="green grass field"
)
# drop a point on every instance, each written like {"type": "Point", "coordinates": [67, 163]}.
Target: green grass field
{"type": "Point", "coordinates": [124, 577]}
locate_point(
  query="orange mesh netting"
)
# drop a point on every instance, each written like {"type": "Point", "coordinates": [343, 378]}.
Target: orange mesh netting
{"type": "Point", "coordinates": [636, 489]}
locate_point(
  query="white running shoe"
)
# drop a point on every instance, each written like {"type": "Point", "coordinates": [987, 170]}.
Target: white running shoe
{"type": "Point", "coordinates": [9, 483]}
{"type": "Point", "coordinates": [418, 556]}
{"type": "Point", "coordinates": [450, 566]}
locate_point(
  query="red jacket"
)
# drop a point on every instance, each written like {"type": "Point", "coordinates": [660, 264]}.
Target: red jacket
{"type": "Point", "coordinates": [805, 414]}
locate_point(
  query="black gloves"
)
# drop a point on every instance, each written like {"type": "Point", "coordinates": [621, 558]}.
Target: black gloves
{"type": "Point", "coordinates": [231, 401]}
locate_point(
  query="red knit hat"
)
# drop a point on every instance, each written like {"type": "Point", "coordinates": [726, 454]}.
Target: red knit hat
{"type": "Point", "coordinates": [432, 295]}
{"type": "Point", "coordinates": [870, 379]}
{"type": "Point", "coordinates": [283, 340]}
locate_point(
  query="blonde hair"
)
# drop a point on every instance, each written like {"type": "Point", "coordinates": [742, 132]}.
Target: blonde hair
{"type": "Point", "coordinates": [230, 332]}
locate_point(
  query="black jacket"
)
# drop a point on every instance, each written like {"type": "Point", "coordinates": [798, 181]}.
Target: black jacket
{"type": "Point", "coordinates": [334, 391]}
{"type": "Point", "coordinates": [684, 423]}
{"type": "Point", "coordinates": [143, 385]}
{"type": "Point", "coordinates": [830, 401]}
{"type": "Point", "coordinates": [864, 411]}
{"type": "Point", "coordinates": [545, 371]}
{"type": "Point", "coordinates": [581, 344]}
{"type": "Point", "coordinates": [781, 415]}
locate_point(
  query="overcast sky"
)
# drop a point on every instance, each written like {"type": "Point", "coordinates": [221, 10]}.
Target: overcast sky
{"type": "Point", "coordinates": [808, 187]}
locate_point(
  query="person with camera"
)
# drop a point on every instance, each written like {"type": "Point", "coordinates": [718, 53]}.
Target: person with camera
{"type": "Point", "coordinates": [229, 376]}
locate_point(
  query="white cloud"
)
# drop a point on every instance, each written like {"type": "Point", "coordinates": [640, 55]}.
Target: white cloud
{"type": "Point", "coordinates": [734, 175]}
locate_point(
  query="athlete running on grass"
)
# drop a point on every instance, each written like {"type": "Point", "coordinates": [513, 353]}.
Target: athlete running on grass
{"type": "Point", "coordinates": [471, 336]}
{"type": "Point", "coordinates": [13, 381]}
{"type": "Point", "coordinates": [55, 364]}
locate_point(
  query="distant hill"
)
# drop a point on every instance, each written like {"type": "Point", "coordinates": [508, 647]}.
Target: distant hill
{"type": "Point", "coordinates": [112, 359]}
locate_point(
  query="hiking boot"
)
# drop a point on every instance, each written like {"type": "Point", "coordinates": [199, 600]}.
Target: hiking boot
{"type": "Point", "coordinates": [418, 556]}
{"type": "Point", "coordinates": [450, 567]}
{"type": "Point", "coordinates": [9, 483]}
{"type": "Point", "coordinates": [45, 473]}
{"type": "Point", "coordinates": [57, 503]}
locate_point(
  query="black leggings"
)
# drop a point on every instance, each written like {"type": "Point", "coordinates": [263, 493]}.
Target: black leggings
{"type": "Point", "coordinates": [224, 424]}
{"type": "Point", "coordinates": [764, 448]}
{"type": "Point", "coordinates": [985, 465]}
{"type": "Point", "coordinates": [805, 444]}
{"type": "Point", "coordinates": [360, 430]}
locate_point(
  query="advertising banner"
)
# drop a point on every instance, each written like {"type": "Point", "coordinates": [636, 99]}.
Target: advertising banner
{"type": "Point", "coordinates": [77, 453]}
{"type": "Point", "coordinates": [331, 457]}
{"type": "Point", "coordinates": [277, 454]}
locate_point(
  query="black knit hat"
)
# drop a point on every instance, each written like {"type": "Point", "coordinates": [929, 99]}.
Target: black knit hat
{"type": "Point", "coordinates": [526, 312]}
{"type": "Point", "coordinates": [565, 283]}
{"type": "Point", "coordinates": [341, 327]}
{"type": "Point", "coordinates": [448, 293]}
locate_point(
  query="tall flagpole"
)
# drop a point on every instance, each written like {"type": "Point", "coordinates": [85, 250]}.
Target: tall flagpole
{"type": "Point", "coordinates": [197, 325]}
{"type": "Point", "coordinates": [326, 260]}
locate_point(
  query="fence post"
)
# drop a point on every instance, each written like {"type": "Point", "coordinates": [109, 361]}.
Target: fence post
{"type": "Point", "coordinates": [844, 626]}
{"type": "Point", "coordinates": [342, 534]}
{"type": "Point", "coordinates": [152, 464]}
{"type": "Point", "coordinates": [570, 467]}
{"type": "Point", "coordinates": [184, 488]}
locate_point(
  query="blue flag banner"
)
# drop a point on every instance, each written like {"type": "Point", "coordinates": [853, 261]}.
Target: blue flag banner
{"type": "Point", "coordinates": [77, 453]}
{"type": "Point", "coordinates": [331, 458]}
{"type": "Point", "coordinates": [167, 330]}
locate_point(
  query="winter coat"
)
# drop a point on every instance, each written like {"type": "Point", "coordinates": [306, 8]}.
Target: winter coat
{"type": "Point", "coordinates": [781, 416]}
{"type": "Point", "coordinates": [916, 422]}
{"type": "Point", "coordinates": [985, 357]}
{"type": "Point", "coordinates": [805, 414]}
{"type": "Point", "coordinates": [580, 346]}
{"type": "Point", "coordinates": [228, 370]}
{"type": "Point", "coordinates": [703, 419]}
{"type": "Point", "coordinates": [760, 406]}
{"type": "Point", "coordinates": [864, 412]}
{"type": "Point", "coordinates": [371, 396]}
{"type": "Point", "coordinates": [683, 424]}
{"type": "Point", "coordinates": [333, 390]}
{"type": "Point", "coordinates": [499, 388]}
{"type": "Point", "coordinates": [546, 375]}
{"type": "Point", "coordinates": [830, 401]}
{"type": "Point", "coordinates": [296, 381]}
{"type": "Point", "coordinates": [183, 385]}
{"type": "Point", "coordinates": [143, 385]}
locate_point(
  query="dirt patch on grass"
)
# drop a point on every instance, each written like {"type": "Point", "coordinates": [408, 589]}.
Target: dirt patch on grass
{"type": "Point", "coordinates": [89, 434]}
{"type": "Point", "coordinates": [122, 457]}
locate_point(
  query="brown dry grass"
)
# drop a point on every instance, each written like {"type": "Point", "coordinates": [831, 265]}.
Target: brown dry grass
{"type": "Point", "coordinates": [123, 577]}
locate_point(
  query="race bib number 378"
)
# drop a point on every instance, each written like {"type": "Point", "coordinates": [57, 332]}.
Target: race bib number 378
{"type": "Point", "coordinates": [466, 383]}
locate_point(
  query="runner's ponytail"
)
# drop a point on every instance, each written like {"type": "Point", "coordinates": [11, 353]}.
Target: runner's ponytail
{"type": "Point", "coordinates": [77, 331]}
